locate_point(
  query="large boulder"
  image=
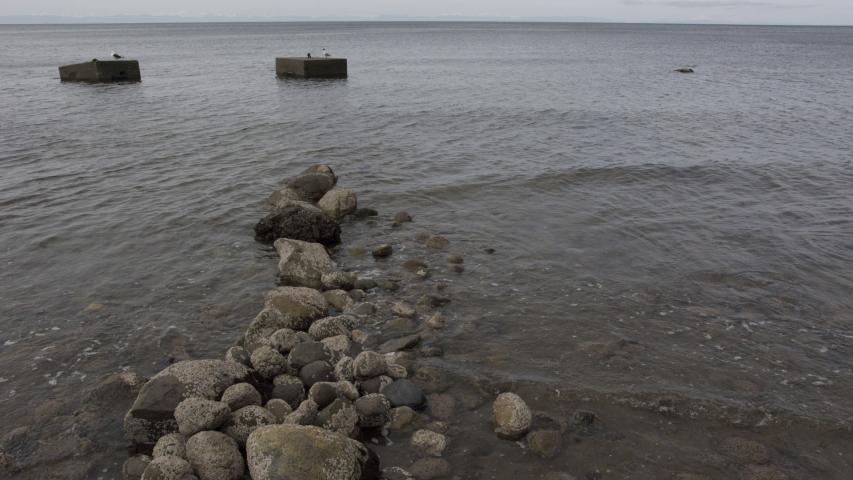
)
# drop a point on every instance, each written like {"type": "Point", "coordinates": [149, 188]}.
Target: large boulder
{"type": "Point", "coordinates": [338, 203]}
{"type": "Point", "coordinates": [153, 413]}
{"type": "Point", "coordinates": [302, 263]}
{"type": "Point", "coordinates": [312, 186]}
{"type": "Point", "coordinates": [297, 452]}
{"type": "Point", "coordinates": [299, 306]}
{"type": "Point", "coordinates": [298, 221]}
{"type": "Point", "coordinates": [215, 456]}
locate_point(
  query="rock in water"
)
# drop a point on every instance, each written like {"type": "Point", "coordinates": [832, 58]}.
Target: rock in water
{"type": "Point", "coordinates": [404, 392]}
{"type": "Point", "coordinates": [152, 414]}
{"type": "Point", "coordinates": [512, 416]}
{"type": "Point", "coordinates": [215, 456]}
{"type": "Point", "coordinates": [297, 452]}
{"type": "Point", "coordinates": [303, 263]}
{"type": "Point", "coordinates": [312, 186]}
{"type": "Point", "coordinates": [338, 203]}
{"type": "Point", "coordinates": [299, 306]}
{"type": "Point", "coordinates": [197, 414]}
{"type": "Point", "coordinates": [429, 442]}
{"type": "Point", "coordinates": [298, 221]}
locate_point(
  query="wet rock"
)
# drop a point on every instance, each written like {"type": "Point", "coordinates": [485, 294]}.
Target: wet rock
{"type": "Point", "coordinates": [400, 324]}
{"type": "Point", "coordinates": [196, 414]}
{"type": "Point", "coordinates": [414, 264]}
{"type": "Point", "coordinates": [430, 468]}
{"type": "Point", "coordinates": [437, 242]}
{"type": "Point", "coordinates": [299, 306]}
{"type": "Point", "coordinates": [268, 362]}
{"type": "Point", "coordinates": [323, 393]}
{"type": "Point", "coordinates": [305, 414]}
{"type": "Point", "coordinates": [375, 384]}
{"type": "Point", "coordinates": [339, 416]}
{"type": "Point", "coordinates": [339, 299]}
{"type": "Point", "coordinates": [343, 369]}
{"type": "Point", "coordinates": [430, 302]}
{"type": "Point", "coordinates": [284, 340]}
{"type": "Point", "coordinates": [438, 427]}
{"type": "Point", "coordinates": [357, 295]}
{"type": "Point", "coordinates": [396, 473]}
{"type": "Point", "coordinates": [265, 323]}
{"type": "Point", "coordinates": [746, 450]}
{"type": "Point", "coordinates": [166, 468]}
{"type": "Point", "coordinates": [133, 467]}
{"type": "Point", "coordinates": [339, 344]}
{"type": "Point", "coordinates": [383, 250]}
{"type": "Point", "coordinates": [279, 408]}
{"type": "Point", "coordinates": [404, 392]}
{"type": "Point", "coordinates": [431, 379]}
{"type": "Point", "coordinates": [238, 355]}
{"type": "Point", "coordinates": [321, 168]}
{"type": "Point", "coordinates": [298, 221]}
{"type": "Point", "coordinates": [396, 371]}
{"type": "Point", "coordinates": [303, 263]}
{"type": "Point", "coordinates": [359, 336]}
{"type": "Point", "coordinates": [312, 186]}
{"type": "Point", "coordinates": [307, 352]}
{"type": "Point", "coordinates": [400, 343]}
{"type": "Point", "coordinates": [286, 379]}
{"type": "Point", "coordinates": [282, 197]}
{"type": "Point", "coordinates": [244, 421]}
{"type": "Point", "coordinates": [368, 364]}
{"type": "Point", "coordinates": [402, 217]}
{"type": "Point", "coordinates": [241, 395]}
{"type": "Point", "coordinates": [365, 212]}
{"type": "Point", "coordinates": [291, 393]}
{"type": "Point", "coordinates": [437, 321]}
{"type": "Point", "coordinates": [373, 410]}
{"type": "Point", "coordinates": [338, 202]}
{"type": "Point", "coordinates": [173, 444]}
{"type": "Point", "coordinates": [430, 351]}
{"type": "Point", "coordinates": [429, 443]}
{"type": "Point", "coordinates": [512, 416]}
{"type": "Point", "coordinates": [400, 417]}
{"type": "Point", "coordinates": [545, 443]}
{"type": "Point", "coordinates": [331, 326]}
{"type": "Point", "coordinates": [319, 371]}
{"type": "Point", "coordinates": [117, 388]}
{"type": "Point", "coordinates": [347, 390]}
{"type": "Point", "coordinates": [457, 268]}
{"type": "Point", "coordinates": [763, 472]}
{"type": "Point", "coordinates": [337, 280]}
{"type": "Point", "coordinates": [402, 309]}
{"type": "Point", "coordinates": [308, 453]}
{"type": "Point", "coordinates": [362, 309]}
{"type": "Point", "coordinates": [152, 414]}
{"type": "Point", "coordinates": [215, 456]}
{"type": "Point", "coordinates": [365, 284]}
{"type": "Point", "coordinates": [441, 405]}
{"type": "Point", "coordinates": [455, 259]}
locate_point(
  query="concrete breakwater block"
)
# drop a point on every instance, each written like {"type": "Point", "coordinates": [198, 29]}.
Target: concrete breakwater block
{"type": "Point", "coordinates": [304, 67]}
{"type": "Point", "coordinates": [101, 71]}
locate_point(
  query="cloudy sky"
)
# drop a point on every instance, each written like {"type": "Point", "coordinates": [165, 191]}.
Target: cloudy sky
{"type": "Point", "coordinates": [720, 11]}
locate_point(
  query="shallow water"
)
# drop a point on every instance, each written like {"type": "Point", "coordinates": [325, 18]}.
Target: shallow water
{"type": "Point", "coordinates": [657, 235]}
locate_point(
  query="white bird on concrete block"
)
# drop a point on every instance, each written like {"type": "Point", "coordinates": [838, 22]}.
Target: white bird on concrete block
{"type": "Point", "coordinates": [326, 54]}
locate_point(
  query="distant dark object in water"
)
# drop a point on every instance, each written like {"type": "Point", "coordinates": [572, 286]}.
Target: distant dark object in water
{"type": "Point", "coordinates": [117, 56]}
{"type": "Point", "coordinates": [684, 70]}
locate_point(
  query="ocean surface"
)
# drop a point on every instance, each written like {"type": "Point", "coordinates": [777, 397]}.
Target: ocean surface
{"type": "Point", "coordinates": [662, 241]}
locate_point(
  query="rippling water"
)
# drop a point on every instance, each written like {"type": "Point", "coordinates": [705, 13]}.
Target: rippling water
{"type": "Point", "coordinates": [655, 233]}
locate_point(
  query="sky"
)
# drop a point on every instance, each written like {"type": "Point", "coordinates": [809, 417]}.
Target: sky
{"type": "Point", "coordinates": [811, 12]}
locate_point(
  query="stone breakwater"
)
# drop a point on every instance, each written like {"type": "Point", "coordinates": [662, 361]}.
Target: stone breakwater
{"type": "Point", "coordinates": [299, 394]}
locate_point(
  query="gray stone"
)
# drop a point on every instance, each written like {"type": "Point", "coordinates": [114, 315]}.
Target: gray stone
{"type": "Point", "coordinates": [402, 217]}
{"type": "Point", "coordinates": [362, 309]}
{"type": "Point", "coordinates": [343, 369]}
{"type": "Point", "coordinates": [404, 392]}
{"type": "Point", "coordinates": [339, 299]}
{"type": "Point", "coordinates": [429, 443]}
{"type": "Point", "coordinates": [382, 251]}
{"type": "Point", "coordinates": [357, 294]}
{"type": "Point", "coordinates": [441, 405]}
{"type": "Point", "coordinates": [400, 343]}
{"type": "Point", "coordinates": [319, 371]}
{"type": "Point", "coordinates": [215, 456]}
{"type": "Point", "coordinates": [298, 221]}
{"type": "Point", "coordinates": [134, 466]}
{"type": "Point", "coordinates": [291, 393]}
{"type": "Point", "coordinates": [323, 393]}
{"type": "Point", "coordinates": [365, 284]}
{"type": "Point", "coordinates": [308, 453]}
{"type": "Point", "coordinates": [437, 321]}
{"type": "Point", "coordinates": [284, 340]}
{"type": "Point", "coordinates": [241, 395]}
{"type": "Point", "coordinates": [338, 345]}
{"type": "Point", "coordinates": [307, 352]}
{"type": "Point", "coordinates": [430, 468]}
{"type": "Point", "coordinates": [402, 309]}
{"type": "Point", "coordinates": [512, 416]}
{"type": "Point", "coordinates": [196, 414]}
{"type": "Point", "coordinates": [437, 242]}
{"type": "Point", "coordinates": [282, 197]}
{"type": "Point", "coordinates": [373, 410]}
{"type": "Point", "coordinates": [331, 326]}
{"type": "Point", "coordinates": [545, 443]}
{"type": "Point", "coordinates": [267, 322]}
{"type": "Point", "coordinates": [173, 444]}
{"type": "Point", "coordinates": [339, 416]}
{"type": "Point", "coordinates": [279, 408]}
{"type": "Point", "coordinates": [152, 414]}
{"type": "Point", "coordinates": [400, 418]}
{"type": "Point", "coordinates": [303, 263]}
{"type": "Point", "coordinates": [268, 362]}
{"type": "Point", "coordinates": [338, 202]}
{"type": "Point", "coordinates": [368, 364]}
{"type": "Point", "coordinates": [299, 306]}
{"type": "Point", "coordinates": [397, 371]}
{"type": "Point", "coordinates": [312, 186]}
{"type": "Point", "coordinates": [166, 468]}
{"type": "Point", "coordinates": [338, 280]}
{"type": "Point", "coordinates": [238, 355]}
{"type": "Point", "coordinates": [246, 420]}
{"type": "Point", "coordinates": [305, 414]}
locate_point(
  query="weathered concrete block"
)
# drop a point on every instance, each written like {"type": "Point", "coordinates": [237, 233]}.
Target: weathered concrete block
{"type": "Point", "coordinates": [101, 71]}
{"type": "Point", "coordinates": [304, 67]}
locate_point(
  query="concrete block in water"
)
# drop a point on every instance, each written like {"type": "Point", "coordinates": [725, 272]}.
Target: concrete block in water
{"type": "Point", "coordinates": [304, 67]}
{"type": "Point", "coordinates": [101, 71]}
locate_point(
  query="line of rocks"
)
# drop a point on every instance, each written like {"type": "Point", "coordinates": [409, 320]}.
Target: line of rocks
{"type": "Point", "coordinates": [293, 398]}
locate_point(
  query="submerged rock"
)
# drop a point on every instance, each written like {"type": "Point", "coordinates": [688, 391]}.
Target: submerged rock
{"type": "Point", "coordinates": [215, 456]}
{"type": "Point", "coordinates": [429, 442]}
{"type": "Point", "coordinates": [382, 251]}
{"type": "Point", "coordinates": [404, 392]}
{"type": "Point", "coordinates": [512, 416]}
{"type": "Point", "coordinates": [430, 468]}
{"type": "Point", "coordinates": [437, 242]}
{"type": "Point", "coordinates": [133, 467]}
{"type": "Point", "coordinates": [298, 221]}
{"type": "Point", "coordinates": [299, 452]}
{"type": "Point", "coordinates": [338, 202]}
{"type": "Point", "coordinates": [303, 263]}
{"type": "Point", "coordinates": [545, 443]}
{"type": "Point", "coordinates": [152, 414]}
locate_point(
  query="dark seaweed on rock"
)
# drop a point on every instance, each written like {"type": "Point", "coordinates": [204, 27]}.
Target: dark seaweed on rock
{"type": "Point", "coordinates": [298, 223]}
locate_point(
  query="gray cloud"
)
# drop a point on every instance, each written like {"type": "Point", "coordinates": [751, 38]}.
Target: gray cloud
{"type": "Point", "coordinates": [714, 3]}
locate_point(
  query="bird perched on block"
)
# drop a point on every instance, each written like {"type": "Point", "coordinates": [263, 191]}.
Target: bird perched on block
{"type": "Point", "coordinates": [309, 55]}
{"type": "Point", "coordinates": [326, 54]}
{"type": "Point", "coordinates": [115, 55]}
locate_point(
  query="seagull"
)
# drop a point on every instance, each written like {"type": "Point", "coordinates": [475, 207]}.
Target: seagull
{"type": "Point", "coordinates": [116, 56]}
{"type": "Point", "coordinates": [326, 54]}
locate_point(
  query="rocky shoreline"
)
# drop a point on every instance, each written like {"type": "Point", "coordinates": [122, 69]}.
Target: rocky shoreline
{"type": "Point", "coordinates": [301, 396]}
